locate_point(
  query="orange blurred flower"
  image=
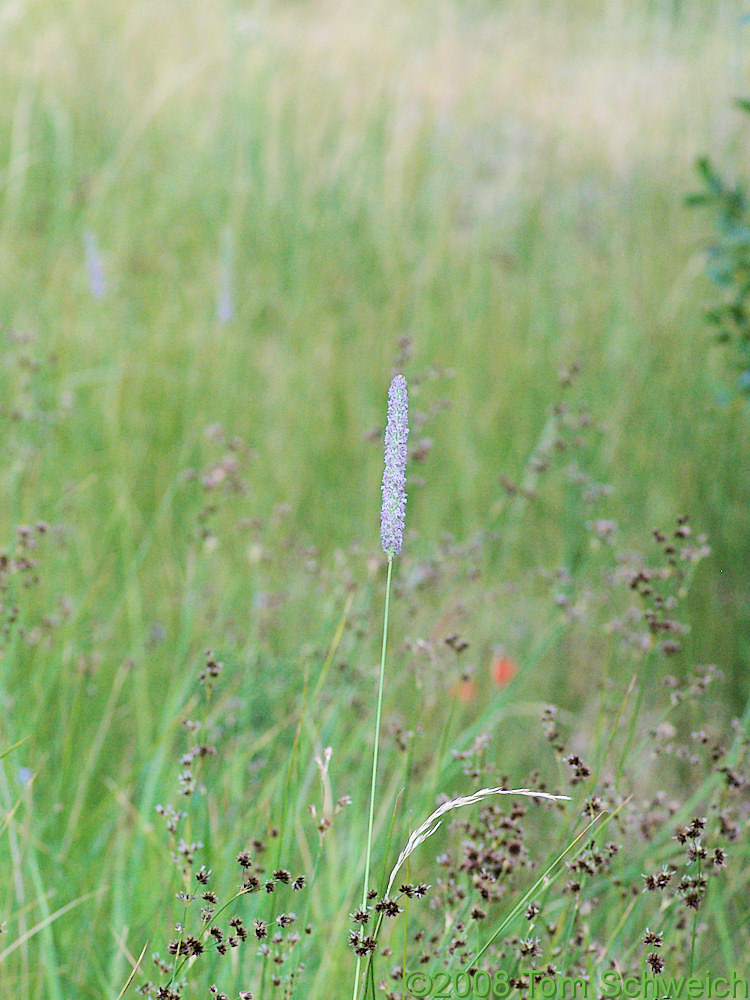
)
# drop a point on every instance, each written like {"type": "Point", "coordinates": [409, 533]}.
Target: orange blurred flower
{"type": "Point", "coordinates": [464, 690]}
{"type": "Point", "coordinates": [503, 670]}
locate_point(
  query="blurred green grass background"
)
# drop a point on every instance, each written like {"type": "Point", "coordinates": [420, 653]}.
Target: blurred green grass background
{"type": "Point", "coordinates": [501, 183]}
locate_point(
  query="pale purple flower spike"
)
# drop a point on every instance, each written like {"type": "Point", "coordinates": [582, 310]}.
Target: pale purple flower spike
{"type": "Point", "coordinates": [225, 298]}
{"type": "Point", "coordinates": [94, 265]}
{"type": "Point", "coordinates": [394, 476]}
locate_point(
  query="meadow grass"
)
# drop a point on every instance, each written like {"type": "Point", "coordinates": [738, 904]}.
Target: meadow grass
{"type": "Point", "coordinates": [475, 194]}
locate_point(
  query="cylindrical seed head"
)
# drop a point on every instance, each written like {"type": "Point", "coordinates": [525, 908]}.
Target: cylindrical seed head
{"type": "Point", "coordinates": [394, 475]}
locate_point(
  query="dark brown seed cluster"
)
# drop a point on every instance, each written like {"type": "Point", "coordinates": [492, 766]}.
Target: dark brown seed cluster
{"type": "Point", "coordinates": [477, 876]}
{"type": "Point", "coordinates": [377, 908]}
{"type": "Point", "coordinates": [20, 570]}
{"type": "Point", "coordinates": [209, 927]}
{"type": "Point", "coordinates": [660, 586]}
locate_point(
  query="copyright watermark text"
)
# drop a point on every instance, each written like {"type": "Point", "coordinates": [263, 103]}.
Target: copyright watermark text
{"type": "Point", "coordinates": [444, 985]}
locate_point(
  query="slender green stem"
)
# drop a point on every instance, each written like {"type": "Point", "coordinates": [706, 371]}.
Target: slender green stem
{"type": "Point", "coordinates": [376, 747]}
{"type": "Point", "coordinates": [539, 882]}
{"type": "Point", "coordinates": [377, 736]}
{"type": "Point", "coordinates": [695, 928]}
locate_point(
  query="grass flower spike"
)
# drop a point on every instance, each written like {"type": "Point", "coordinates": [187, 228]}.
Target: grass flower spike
{"type": "Point", "coordinates": [94, 265]}
{"type": "Point", "coordinates": [392, 536]}
{"type": "Point", "coordinates": [394, 475]}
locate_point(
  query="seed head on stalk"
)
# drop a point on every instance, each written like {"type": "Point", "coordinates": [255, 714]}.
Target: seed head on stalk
{"type": "Point", "coordinates": [392, 536]}
{"type": "Point", "coordinates": [394, 476]}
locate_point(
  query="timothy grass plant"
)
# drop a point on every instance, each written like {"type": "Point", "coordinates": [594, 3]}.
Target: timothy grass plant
{"type": "Point", "coordinates": [392, 516]}
{"type": "Point", "coordinates": [392, 533]}
{"type": "Point", "coordinates": [199, 212]}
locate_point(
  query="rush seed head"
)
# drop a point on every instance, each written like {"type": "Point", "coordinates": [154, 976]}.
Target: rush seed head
{"type": "Point", "coordinates": [394, 475]}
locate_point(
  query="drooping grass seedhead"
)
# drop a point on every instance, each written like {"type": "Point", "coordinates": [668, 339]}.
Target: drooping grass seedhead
{"type": "Point", "coordinates": [394, 476]}
{"type": "Point", "coordinates": [433, 821]}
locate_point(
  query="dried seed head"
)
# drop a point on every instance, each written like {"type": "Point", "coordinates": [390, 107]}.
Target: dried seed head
{"type": "Point", "coordinates": [394, 475]}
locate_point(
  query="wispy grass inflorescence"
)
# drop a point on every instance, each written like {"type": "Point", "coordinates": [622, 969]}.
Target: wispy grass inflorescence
{"type": "Point", "coordinates": [394, 475]}
{"type": "Point", "coordinates": [433, 821]}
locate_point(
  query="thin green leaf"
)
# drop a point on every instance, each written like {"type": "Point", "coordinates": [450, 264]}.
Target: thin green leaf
{"type": "Point", "coordinates": [532, 890]}
{"type": "Point", "coordinates": [14, 747]}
